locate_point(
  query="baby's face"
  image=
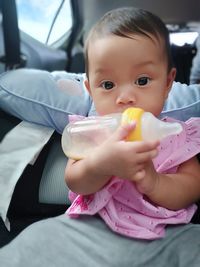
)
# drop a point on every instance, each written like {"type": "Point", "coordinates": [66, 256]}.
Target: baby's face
{"type": "Point", "coordinates": [126, 72]}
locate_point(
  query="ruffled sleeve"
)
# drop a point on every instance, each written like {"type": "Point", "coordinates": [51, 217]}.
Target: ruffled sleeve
{"type": "Point", "coordinates": [179, 148]}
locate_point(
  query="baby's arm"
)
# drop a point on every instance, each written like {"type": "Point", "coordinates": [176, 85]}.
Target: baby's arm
{"type": "Point", "coordinates": [172, 191]}
{"type": "Point", "coordinates": [115, 157]}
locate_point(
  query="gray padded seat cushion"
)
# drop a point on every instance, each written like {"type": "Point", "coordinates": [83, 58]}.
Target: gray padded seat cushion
{"type": "Point", "coordinates": [53, 189]}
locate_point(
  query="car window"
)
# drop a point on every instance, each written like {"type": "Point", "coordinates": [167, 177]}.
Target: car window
{"type": "Point", "coordinates": [46, 21]}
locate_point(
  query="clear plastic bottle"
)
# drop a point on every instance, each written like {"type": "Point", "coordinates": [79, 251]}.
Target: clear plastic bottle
{"type": "Point", "coordinates": [80, 137]}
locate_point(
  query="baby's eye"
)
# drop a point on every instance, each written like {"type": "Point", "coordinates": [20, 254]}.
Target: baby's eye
{"type": "Point", "coordinates": [107, 85]}
{"type": "Point", "coordinates": [142, 81]}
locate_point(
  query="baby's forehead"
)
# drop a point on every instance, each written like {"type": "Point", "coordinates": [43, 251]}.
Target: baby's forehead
{"type": "Point", "coordinates": [100, 48]}
{"type": "Point", "coordinates": [154, 37]}
{"type": "Point", "coordinates": [103, 40]}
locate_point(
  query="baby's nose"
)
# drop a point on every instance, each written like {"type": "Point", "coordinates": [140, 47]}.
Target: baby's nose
{"type": "Point", "coordinates": [127, 97]}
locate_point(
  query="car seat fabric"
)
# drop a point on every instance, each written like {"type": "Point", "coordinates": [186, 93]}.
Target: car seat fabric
{"type": "Point", "coordinates": [18, 148]}
{"type": "Point", "coordinates": [43, 98]}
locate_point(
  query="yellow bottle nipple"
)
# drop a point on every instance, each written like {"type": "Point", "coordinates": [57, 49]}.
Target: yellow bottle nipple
{"type": "Point", "coordinates": [130, 115]}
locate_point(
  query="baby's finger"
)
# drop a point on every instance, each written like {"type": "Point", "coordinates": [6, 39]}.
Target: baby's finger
{"type": "Point", "coordinates": [123, 131]}
{"type": "Point", "coordinates": [148, 155]}
{"type": "Point", "coordinates": [139, 175]}
{"type": "Point", "coordinates": [145, 146]}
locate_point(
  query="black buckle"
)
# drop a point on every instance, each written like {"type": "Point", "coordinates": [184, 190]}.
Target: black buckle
{"type": "Point", "coordinates": [14, 65]}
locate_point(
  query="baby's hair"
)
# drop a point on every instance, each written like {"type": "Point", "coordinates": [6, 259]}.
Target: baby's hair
{"type": "Point", "coordinates": [129, 21]}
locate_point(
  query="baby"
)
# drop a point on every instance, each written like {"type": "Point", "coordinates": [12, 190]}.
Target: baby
{"type": "Point", "coordinates": [136, 187]}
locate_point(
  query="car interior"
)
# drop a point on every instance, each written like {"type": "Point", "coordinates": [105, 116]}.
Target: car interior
{"type": "Point", "coordinates": [40, 191]}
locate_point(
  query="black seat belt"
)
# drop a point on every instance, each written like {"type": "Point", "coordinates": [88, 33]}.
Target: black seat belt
{"type": "Point", "coordinates": [12, 58]}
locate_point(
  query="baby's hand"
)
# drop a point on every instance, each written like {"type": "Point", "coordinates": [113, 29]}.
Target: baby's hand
{"type": "Point", "coordinates": [118, 157]}
{"type": "Point", "coordinates": [148, 181]}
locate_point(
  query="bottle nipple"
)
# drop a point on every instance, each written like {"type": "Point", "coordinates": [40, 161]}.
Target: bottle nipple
{"type": "Point", "coordinates": [130, 115]}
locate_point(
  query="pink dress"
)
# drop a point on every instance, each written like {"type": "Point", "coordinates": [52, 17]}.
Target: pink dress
{"type": "Point", "coordinates": [128, 212]}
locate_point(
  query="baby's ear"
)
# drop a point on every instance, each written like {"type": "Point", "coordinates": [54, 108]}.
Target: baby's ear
{"type": "Point", "coordinates": [170, 79]}
{"type": "Point", "coordinates": [87, 86]}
